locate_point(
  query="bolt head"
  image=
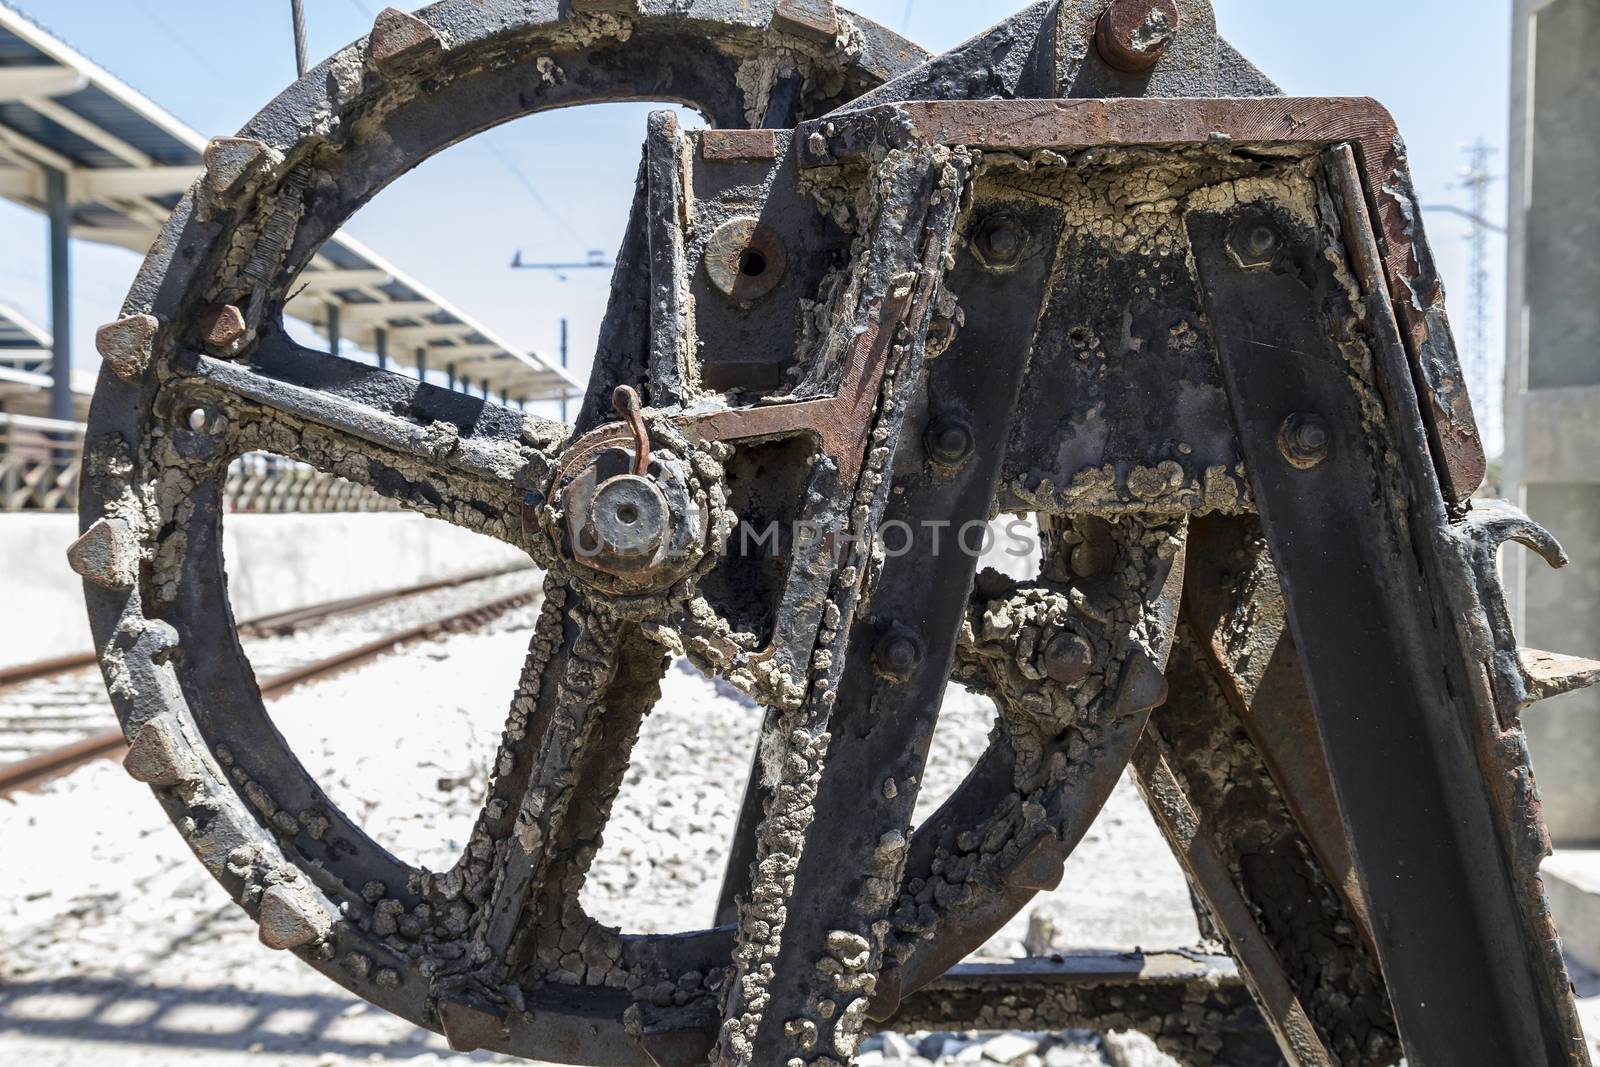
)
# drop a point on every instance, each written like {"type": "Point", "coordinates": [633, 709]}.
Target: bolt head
{"type": "Point", "coordinates": [898, 654]}
{"type": "Point", "coordinates": [948, 441]}
{"type": "Point", "coordinates": [627, 520]}
{"type": "Point", "coordinates": [1305, 440]}
{"type": "Point", "coordinates": [222, 328]}
{"type": "Point", "coordinates": [1254, 243]}
{"type": "Point", "coordinates": [1133, 35]}
{"type": "Point", "coordinates": [1068, 659]}
{"type": "Point", "coordinates": [999, 243]}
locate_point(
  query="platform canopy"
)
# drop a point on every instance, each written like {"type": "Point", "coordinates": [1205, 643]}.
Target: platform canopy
{"type": "Point", "coordinates": [25, 369]}
{"type": "Point", "coordinates": [122, 163]}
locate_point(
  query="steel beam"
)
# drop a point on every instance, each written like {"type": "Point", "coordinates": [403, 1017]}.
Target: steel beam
{"type": "Point", "coordinates": [1448, 927]}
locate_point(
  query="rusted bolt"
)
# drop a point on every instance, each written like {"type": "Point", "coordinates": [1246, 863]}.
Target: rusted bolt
{"type": "Point", "coordinates": [1133, 35]}
{"type": "Point", "coordinates": [999, 244]}
{"type": "Point", "coordinates": [1068, 658]}
{"type": "Point", "coordinates": [948, 441]}
{"type": "Point", "coordinates": [1253, 243]}
{"type": "Point", "coordinates": [1304, 440]}
{"type": "Point", "coordinates": [898, 653]}
{"type": "Point", "coordinates": [221, 329]}
{"type": "Point", "coordinates": [745, 259]}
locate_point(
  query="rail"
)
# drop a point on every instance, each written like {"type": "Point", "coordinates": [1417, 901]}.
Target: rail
{"type": "Point", "coordinates": [36, 770]}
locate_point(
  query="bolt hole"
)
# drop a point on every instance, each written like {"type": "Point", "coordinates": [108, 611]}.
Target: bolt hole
{"type": "Point", "coordinates": [627, 514]}
{"type": "Point", "coordinates": [752, 264]}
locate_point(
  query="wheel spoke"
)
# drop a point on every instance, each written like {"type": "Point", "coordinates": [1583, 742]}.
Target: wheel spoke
{"type": "Point", "coordinates": [589, 680]}
{"type": "Point", "coordinates": [432, 450]}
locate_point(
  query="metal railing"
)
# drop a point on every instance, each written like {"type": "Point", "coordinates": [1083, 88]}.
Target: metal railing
{"type": "Point", "coordinates": [40, 460]}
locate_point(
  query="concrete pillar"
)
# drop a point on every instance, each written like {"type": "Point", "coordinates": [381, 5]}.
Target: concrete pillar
{"type": "Point", "coordinates": [1553, 381]}
{"type": "Point", "coordinates": [381, 343]}
{"type": "Point", "coordinates": [59, 212]}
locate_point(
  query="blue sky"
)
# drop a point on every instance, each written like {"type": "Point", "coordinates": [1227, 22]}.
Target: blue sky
{"type": "Point", "coordinates": [1442, 66]}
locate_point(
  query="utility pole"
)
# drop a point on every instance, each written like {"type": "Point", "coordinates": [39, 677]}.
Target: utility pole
{"type": "Point", "coordinates": [1482, 381]}
{"type": "Point", "coordinates": [1484, 378]}
{"type": "Point", "coordinates": [563, 364]}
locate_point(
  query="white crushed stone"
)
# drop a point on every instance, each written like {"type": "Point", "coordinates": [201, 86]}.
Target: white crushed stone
{"type": "Point", "coordinates": [115, 946]}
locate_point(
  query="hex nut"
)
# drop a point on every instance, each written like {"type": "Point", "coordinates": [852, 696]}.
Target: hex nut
{"type": "Point", "coordinates": [999, 243]}
{"type": "Point", "coordinates": [948, 442]}
{"type": "Point", "coordinates": [222, 329]}
{"type": "Point", "coordinates": [1304, 440]}
{"type": "Point", "coordinates": [898, 653]}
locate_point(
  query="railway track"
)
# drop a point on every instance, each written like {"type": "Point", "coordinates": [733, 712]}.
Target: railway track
{"type": "Point", "coordinates": [53, 713]}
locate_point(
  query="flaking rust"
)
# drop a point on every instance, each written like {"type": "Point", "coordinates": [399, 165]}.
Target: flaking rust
{"type": "Point", "coordinates": [823, 342]}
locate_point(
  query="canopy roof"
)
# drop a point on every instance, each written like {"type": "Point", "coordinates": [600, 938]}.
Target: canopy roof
{"type": "Point", "coordinates": [126, 164]}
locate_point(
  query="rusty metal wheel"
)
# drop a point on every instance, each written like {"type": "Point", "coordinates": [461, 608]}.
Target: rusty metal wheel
{"type": "Point", "coordinates": [881, 289]}
{"type": "Point", "coordinates": [497, 951]}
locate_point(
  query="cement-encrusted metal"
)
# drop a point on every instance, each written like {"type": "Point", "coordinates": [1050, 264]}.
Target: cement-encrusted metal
{"type": "Point", "coordinates": [889, 298]}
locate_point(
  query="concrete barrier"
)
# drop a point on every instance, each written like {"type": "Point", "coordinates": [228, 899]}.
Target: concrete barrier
{"type": "Point", "coordinates": [275, 563]}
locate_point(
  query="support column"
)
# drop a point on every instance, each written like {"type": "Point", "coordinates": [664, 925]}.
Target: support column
{"type": "Point", "coordinates": [382, 345]}
{"type": "Point", "coordinates": [450, 376]}
{"type": "Point", "coordinates": [333, 328]}
{"type": "Point", "coordinates": [59, 212]}
{"type": "Point", "coordinates": [1553, 384]}
{"type": "Point", "coordinates": [422, 365]}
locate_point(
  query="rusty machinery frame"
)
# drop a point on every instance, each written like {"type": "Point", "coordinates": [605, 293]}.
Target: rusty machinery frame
{"type": "Point", "coordinates": [1088, 266]}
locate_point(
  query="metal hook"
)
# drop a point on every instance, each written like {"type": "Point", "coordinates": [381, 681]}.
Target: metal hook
{"type": "Point", "coordinates": [626, 400]}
